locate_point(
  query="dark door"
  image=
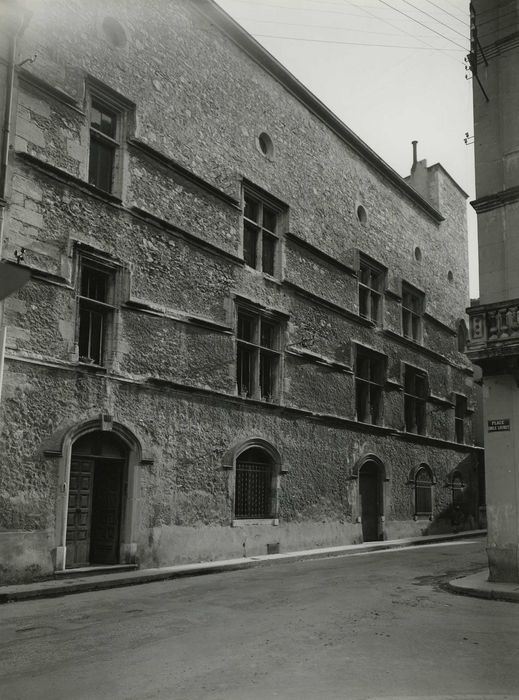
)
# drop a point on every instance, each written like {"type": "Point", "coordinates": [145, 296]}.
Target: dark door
{"type": "Point", "coordinates": [370, 501]}
{"type": "Point", "coordinates": [106, 512]}
{"type": "Point", "coordinates": [79, 511]}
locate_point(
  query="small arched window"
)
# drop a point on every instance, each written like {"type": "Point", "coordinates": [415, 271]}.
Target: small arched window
{"type": "Point", "coordinates": [423, 492]}
{"type": "Point", "coordinates": [457, 487]}
{"type": "Point", "coordinates": [255, 489]}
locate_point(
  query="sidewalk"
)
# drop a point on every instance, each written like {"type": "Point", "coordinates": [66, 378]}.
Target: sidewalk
{"type": "Point", "coordinates": [63, 586]}
{"type": "Point", "coordinates": [479, 586]}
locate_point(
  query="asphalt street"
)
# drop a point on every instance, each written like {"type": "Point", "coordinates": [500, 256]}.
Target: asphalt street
{"type": "Point", "coordinates": [366, 626]}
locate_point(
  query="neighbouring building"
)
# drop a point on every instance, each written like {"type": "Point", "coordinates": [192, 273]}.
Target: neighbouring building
{"type": "Point", "coordinates": [494, 320]}
{"type": "Point", "coordinates": [243, 331]}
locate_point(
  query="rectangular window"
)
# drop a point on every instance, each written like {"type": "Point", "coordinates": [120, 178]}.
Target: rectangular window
{"type": "Point", "coordinates": [258, 354]}
{"type": "Point", "coordinates": [369, 382]}
{"type": "Point", "coordinates": [371, 284]}
{"type": "Point", "coordinates": [261, 223]}
{"type": "Point", "coordinates": [104, 145]}
{"type": "Point", "coordinates": [459, 417]}
{"type": "Point", "coordinates": [415, 400]}
{"type": "Point", "coordinates": [412, 313]}
{"type": "Point", "coordinates": [95, 311]}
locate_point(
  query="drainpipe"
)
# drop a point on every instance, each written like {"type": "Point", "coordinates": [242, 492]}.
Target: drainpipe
{"type": "Point", "coordinates": [19, 25]}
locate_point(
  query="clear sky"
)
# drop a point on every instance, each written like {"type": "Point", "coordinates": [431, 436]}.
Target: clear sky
{"type": "Point", "coordinates": [392, 70]}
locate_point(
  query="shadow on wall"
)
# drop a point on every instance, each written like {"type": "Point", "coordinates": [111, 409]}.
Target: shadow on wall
{"type": "Point", "coordinates": [456, 517]}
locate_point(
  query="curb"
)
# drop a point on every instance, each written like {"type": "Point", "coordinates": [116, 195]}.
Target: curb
{"type": "Point", "coordinates": [478, 586]}
{"type": "Point", "coordinates": [55, 588]}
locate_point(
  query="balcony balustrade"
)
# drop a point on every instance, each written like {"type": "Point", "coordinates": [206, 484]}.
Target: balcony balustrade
{"type": "Point", "coordinates": [494, 329]}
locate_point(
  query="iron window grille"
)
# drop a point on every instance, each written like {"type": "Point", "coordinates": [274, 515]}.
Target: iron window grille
{"type": "Point", "coordinates": [261, 224]}
{"type": "Point", "coordinates": [105, 139]}
{"type": "Point", "coordinates": [457, 488]}
{"type": "Point", "coordinates": [371, 283]}
{"type": "Point", "coordinates": [415, 400]}
{"type": "Point", "coordinates": [258, 355]}
{"type": "Point", "coordinates": [95, 311]}
{"type": "Point", "coordinates": [369, 382]}
{"type": "Point", "coordinates": [423, 490]}
{"type": "Point", "coordinates": [460, 411]}
{"type": "Point", "coordinates": [412, 313]}
{"type": "Point", "coordinates": [254, 486]}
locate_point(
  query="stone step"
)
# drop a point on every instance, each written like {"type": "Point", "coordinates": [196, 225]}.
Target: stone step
{"type": "Point", "coordinates": [95, 570]}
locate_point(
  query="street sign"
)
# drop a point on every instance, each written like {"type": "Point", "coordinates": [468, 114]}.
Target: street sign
{"type": "Point", "coordinates": [12, 278]}
{"type": "Point", "coordinates": [498, 425]}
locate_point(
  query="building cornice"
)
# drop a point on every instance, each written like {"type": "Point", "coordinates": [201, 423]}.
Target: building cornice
{"type": "Point", "coordinates": [178, 169]}
{"type": "Point", "coordinates": [301, 243]}
{"type": "Point", "coordinates": [154, 384]}
{"type": "Point", "coordinates": [496, 200]}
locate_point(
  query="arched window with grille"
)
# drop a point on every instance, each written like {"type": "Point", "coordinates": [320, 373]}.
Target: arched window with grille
{"type": "Point", "coordinates": [457, 486]}
{"type": "Point", "coordinates": [255, 485]}
{"type": "Point", "coordinates": [423, 492]}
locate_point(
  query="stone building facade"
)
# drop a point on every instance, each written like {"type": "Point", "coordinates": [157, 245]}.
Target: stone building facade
{"type": "Point", "coordinates": [494, 321]}
{"type": "Point", "coordinates": [241, 333]}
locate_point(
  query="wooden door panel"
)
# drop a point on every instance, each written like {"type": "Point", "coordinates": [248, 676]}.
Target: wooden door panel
{"type": "Point", "coordinates": [79, 512]}
{"type": "Point", "coordinates": [369, 498]}
{"type": "Point", "coordinates": [106, 512]}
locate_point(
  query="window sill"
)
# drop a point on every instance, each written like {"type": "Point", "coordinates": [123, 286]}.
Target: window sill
{"type": "Point", "coordinates": [92, 366]}
{"type": "Point", "coordinates": [254, 521]}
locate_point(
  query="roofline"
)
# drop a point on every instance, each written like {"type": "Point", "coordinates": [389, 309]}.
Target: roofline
{"type": "Point", "coordinates": [276, 69]}
{"type": "Point", "coordinates": [440, 166]}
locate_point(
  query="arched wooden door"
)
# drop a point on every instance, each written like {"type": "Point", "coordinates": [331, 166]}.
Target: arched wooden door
{"type": "Point", "coordinates": [371, 501]}
{"type": "Point", "coordinates": [98, 471]}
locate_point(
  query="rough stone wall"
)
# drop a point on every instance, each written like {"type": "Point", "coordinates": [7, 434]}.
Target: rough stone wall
{"type": "Point", "coordinates": [177, 246]}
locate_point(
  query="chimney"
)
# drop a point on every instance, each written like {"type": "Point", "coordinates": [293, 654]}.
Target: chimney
{"type": "Point", "coordinates": [415, 159]}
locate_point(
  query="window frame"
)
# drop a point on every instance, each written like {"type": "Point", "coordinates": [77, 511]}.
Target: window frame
{"type": "Point", "coordinates": [261, 232]}
{"type": "Point", "coordinates": [415, 404]}
{"type": "Point", "coordinates": [412, 313]}
{"type": "Point", "coordinates": [243, 485]}
{"type": "Point", "coordinates": [460, 412]}
{"type": "Point", "coordinates": [421, 487]}
{"type": "Point", "coordinates": [371, 293]}
{"type": "Point", "coordinates": [101, 96]}
{"type": "Point", "coordinates": [457, 486]}
{"type": "Point", "coordinates": [257, 351]}
{"type": "Point", "coordinates": [369, 391]}
{"type": "Point", "coordinates": [107, 308]}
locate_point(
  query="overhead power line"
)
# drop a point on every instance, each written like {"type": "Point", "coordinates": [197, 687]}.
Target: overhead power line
{"type": "Point", "coordinates": [435, 19]}
{"type": "Point", "coordinates": [354, 43]}
{"type": "Point", "coordinates": [461, 21]}
{"type": "Point", "coordinates": [423, 25]}
{"type": "Point", "coordinates": [319, 26]}
{"type": "Point", "coordinates": [400, 29]}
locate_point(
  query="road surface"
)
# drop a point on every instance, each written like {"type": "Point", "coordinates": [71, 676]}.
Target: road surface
{"type": "Point", "coordinates": [349, 628]}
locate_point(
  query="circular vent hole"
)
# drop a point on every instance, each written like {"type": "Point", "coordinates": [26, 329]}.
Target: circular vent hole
{"type": "Point", "coordinates": [417, 254]}
{"type": "Point", "coordinates": [114, 32]}
{"type": "Point", "coordinates": [265, 144]}
{"type": "Point", "coordinates": [362, 215]}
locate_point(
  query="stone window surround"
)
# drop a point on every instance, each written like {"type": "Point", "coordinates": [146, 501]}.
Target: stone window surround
{"type": "Point", "coordinates": [259, 312]}
{"type": "Point", "coordinates": [363, 351]}
{"type": "Point", "coordinates": [119, 292]}
{"type": "Point", "coordinates": [279, 468]}
{"type": "Point", "coordinates": [412, 481]}
{"type": "Point", "coordinates": [263, 199]}
{"type": "Point", "coordinates": [412, 315]}
{"type": "Point", "coordinates": [366, 262]}
{"type": "Point", "coordinates": [124, 111]}
{"type": "Point", "coordinates": [404, 366]}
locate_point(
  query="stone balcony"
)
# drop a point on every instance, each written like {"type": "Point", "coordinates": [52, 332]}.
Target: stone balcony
{"type": "Point", "coordinates": [494, 336]}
